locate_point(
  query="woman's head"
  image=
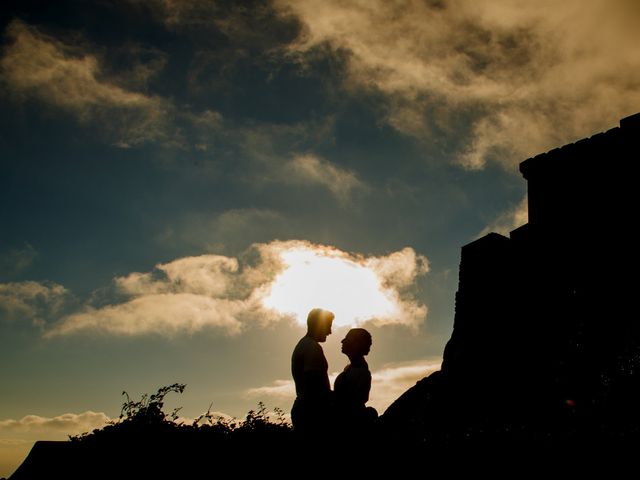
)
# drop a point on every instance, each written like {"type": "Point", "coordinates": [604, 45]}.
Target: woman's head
{"type": "Point", "coordinates": [356, 343]}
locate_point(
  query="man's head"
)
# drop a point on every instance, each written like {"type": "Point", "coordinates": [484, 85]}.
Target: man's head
{"type": "Point", "coordinates": [319, 324]}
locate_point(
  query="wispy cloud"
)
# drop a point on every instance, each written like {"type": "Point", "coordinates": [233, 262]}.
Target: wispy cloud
{"type": "Point", "coordinates": [511, 219]}
{"type": "Point", "coordinates": [312, 169]}
{"type": "Point", "coordinates": [69, 77]}
{"type": "Point", "coordinates": [279, 389]}
{"type": "Point", "coordinates": [283, 154]}
{"type": "Point", "coordinates": [208, 275]}
{"type": "Point", "coordinates": [156, 314]}
{"type": "Point", "coordinates": [248, 26]}
{"type": "Point", "coordinates": [17, 260]}
{"type": "Point", "coordinates": [529, 76]}
{"type": "Point", "coordinates": [32, 301]}
{"type": "Point", "coordinates": [68, 423]}
{"type": "Point", "coordinates": [217, 233]}
{"type": "Point", "coordinates": [190, 294]}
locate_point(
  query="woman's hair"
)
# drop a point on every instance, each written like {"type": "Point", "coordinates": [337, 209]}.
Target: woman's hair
{"type": "Point", "coordinates": [359, 341]}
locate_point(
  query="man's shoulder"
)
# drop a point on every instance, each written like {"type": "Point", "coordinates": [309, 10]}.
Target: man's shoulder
{"type": "Point", "coordinates": [306, 347]}
{"type": "Point", "coordinates": [308, 343]}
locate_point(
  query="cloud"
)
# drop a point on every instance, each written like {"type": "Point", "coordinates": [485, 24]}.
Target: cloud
{"type": "Point", "coordinates": [68, 423]}
{"type": "Point", "coordinates": [311, 169]}
{"type": "Point", "coordinates": [33, 301]}
{"type": "Point", "coordinates": [192, 294]}
{"type": "Point", "coordinates": [69, 77]}
{"type": "Point", "coordinates": [17, 260]}
{"type": "Point", "coordinates": [400, 268]}
{"type": "Point", "coordinates": [255, 26]}
{"type": "Point", "coordinates": [387, 384]}
{"type": "Point", "coordinates": [164, 314]}
{"type": "Point", "coordinates": [205, 275]}
{"type": "Point", "coordinates": [217, 233]}
{"type": "Point", "coordinates": [279, 389]}
{"type": "Point", "coordinates": [524, 76]}
{"type": "Point", "coordinates": [513, 218]}
{"type": "Point", "coordinates": [273, 147]}
{"type": "Point", "coordinates": [187, 12]}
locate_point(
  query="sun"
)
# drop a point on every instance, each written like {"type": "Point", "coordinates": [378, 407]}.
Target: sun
{"type": "Point", "coordinates": [323, 277]}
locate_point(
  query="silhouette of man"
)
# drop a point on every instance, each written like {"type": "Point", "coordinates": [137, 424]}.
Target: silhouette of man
{"type": "Point", "coordinates": [309, 368]}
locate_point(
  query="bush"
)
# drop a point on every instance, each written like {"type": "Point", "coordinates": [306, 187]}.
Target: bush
{"type": "Point", "coordinates": [146, 420]}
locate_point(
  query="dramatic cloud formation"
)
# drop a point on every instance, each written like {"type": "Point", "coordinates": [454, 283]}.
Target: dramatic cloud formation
{"type": "Point", "coordinates": [33, 301]}
{"type": "Point", "coordinates": [68, 77]}
{"type": "Point", "coordinates": [502, 77]}
{"type": "Point", "coordinates": [529, 76]}
{"type": "Point", "coordinates": [387, 384]}
{"type": "Point", "coordinates": [354, 287]}
{"type": "Point", "coordinates": [311, 169]}
{"type": "Point", "coordinates": [287, 279]}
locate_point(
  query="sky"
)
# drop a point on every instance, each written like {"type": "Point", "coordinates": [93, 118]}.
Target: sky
{"type": "Point", "coordinates": [182, 180]}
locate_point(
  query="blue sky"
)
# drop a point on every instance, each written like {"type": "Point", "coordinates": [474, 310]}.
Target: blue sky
{"type": "Point", "coordinates": [164, 163]}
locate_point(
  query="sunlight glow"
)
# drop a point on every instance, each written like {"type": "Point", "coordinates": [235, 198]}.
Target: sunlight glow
{"type": "Point", "coordinates": [331, 279]}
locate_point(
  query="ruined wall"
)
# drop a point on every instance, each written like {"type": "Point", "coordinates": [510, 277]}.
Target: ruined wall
{"type": "Point", "coordinates": [547, 313]}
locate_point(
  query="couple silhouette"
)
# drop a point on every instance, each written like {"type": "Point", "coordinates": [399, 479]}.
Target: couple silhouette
{"type": "Point", "coordinates": [317, 409]}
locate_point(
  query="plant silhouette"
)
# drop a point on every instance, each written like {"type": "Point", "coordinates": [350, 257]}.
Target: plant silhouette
{"type": "Point", "coordinates": [145, 418]}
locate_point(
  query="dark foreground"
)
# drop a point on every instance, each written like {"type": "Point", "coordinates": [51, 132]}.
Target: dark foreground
{"type": "Point", "coordinates": [290, 456]}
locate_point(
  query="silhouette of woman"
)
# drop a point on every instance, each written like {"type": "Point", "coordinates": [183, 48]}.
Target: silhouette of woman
{"type": "Point", "coordinates": [351, 388]}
